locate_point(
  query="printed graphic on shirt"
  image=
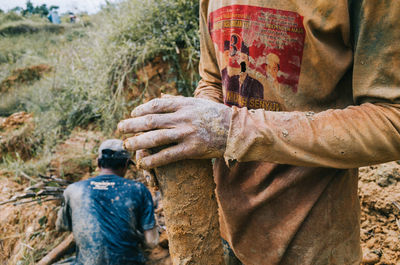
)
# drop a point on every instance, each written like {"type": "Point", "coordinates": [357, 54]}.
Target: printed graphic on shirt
{"type": "Point", "coordinates": [261, 50]}
{"type": "Point", "coordinates": [101, 185]}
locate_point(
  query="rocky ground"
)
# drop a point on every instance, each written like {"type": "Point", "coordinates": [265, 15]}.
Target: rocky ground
{"type": "Point", "coordinates": [379, 189]}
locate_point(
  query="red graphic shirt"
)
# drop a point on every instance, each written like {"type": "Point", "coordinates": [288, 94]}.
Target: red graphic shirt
{"type": "Point", "coordinates": [262, 50]}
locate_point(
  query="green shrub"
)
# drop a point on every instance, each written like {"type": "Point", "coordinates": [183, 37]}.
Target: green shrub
{"type": "Point", "coordinates": [18, 28]}
{"type": "Point", "coordinates": [143, 30]}
{"type": "Point", "coordinates": [10, 17]}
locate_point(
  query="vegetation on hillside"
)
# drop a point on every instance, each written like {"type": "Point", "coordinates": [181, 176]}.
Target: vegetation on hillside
{"type": "Point", "coordinates": [92, 68]}
{"type": "Point", "coordinates": [65, 87]}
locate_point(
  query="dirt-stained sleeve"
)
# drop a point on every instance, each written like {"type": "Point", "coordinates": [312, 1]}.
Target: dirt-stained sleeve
{"type": "Point", "coordinates": [364, 134]}
{"type": "Point", "coordinates": [210, 84]}
{"type": "Point", "coordinates": [64, 222]}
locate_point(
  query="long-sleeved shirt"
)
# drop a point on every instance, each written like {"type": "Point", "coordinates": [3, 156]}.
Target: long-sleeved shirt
{"type": "Point", "coordinates": [330, 103]}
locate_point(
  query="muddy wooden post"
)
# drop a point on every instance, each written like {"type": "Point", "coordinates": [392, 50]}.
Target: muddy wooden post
{"type": "Point", "coordinates": [191, 212]}
{"type": "Point", "coordinates": [58, 251]}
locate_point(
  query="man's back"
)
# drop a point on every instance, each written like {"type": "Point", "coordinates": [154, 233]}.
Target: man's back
{"type": "Point", "coordinates": [108, 215]}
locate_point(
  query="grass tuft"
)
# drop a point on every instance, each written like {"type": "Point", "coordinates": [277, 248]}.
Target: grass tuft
{"type": "Point", "coordinates": [22, 27]}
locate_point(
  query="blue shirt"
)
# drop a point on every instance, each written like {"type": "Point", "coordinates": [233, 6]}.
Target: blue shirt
{"type": "Point", "coordinates": [108, 215]}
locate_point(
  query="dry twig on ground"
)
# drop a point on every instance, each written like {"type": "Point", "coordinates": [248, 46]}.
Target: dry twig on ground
{"type": "Point", "coordinates": [46, 188]}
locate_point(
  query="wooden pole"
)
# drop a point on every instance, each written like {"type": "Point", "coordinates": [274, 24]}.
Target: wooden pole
{"type": "Point", "coordinates": [58, 251]}
{"type": "Point", "coordinates": [191, 212]}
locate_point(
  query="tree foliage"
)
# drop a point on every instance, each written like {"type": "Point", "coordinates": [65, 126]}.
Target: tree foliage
{"type": "Point", "coordinates": [41, 10]}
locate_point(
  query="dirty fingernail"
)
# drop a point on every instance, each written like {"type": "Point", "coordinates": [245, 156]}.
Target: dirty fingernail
{"type": "Point", "coordinates": [139, 154]}
{"type": "Point", "coordinates": [127, 145]}
{"type": "Point", "coordinates": [133, 112]}
{"type": "Point", "coordinates": [144, 163]}
{"type": "Point", "coordinates": [121, 126]}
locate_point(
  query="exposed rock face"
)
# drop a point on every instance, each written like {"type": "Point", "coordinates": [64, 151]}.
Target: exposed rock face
{"type": "Point", "coordinates": [16, 135]}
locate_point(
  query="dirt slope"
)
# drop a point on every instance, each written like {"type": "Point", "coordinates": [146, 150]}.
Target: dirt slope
{"type": "Point", "coordinates": [26, 231]}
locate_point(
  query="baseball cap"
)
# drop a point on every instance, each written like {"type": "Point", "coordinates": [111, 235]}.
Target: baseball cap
{"type": "Point", "coordinates": [113, 149]}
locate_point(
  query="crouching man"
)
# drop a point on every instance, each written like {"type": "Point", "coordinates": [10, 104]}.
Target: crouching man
{"type": "Point", "coordinates": [109, 216]}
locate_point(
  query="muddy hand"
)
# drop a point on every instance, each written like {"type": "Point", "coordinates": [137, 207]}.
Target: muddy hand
{"type": "Point", "coordinates": [197, 128]}
{"type": "Point", "coordinates": [147, 173]}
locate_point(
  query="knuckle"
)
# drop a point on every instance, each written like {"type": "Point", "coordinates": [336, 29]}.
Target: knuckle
{"type": "Point", "coordinates": [139, 154]}
{"type": "Point", "coordinates": [170, 134]}
{"type": "Point", "coordinates": [155, 104]}
{"type": "Point", "coordinates": [190, 130]}
{"type": "Point", "coordinates": [187, 154]}
{"type": "Point", "coordinates": [181, 134]}
{"type": "Point", "coordinates": [169, 156]}
{"type": "Point", "coordinates": [125, 126]}
{"type": "Point", "coordinates": [130, 126]}
{"type": "Point", "coordinates": [190, 150]}
{"type": "Point", "coordinates": [133, 143]}
{"type": "Point", "coordinates": [127, 144]}
{"type": "Point", "coordinates": [150, 121]}
{"type": "Point", "coordinates": [147, 163]}
{"type": "Point", "coordinates": [158, 140]}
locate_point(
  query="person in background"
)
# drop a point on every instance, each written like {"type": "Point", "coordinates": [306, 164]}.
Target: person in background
{"type": "Point", "coordinates": [54, 17]}
{"type": "Point", "coordinates": [110, 216]}
{"type": "Point", "coordinates": [72, 17]}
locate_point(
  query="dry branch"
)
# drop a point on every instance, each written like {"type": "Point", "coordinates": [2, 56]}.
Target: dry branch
{"type": "Point", "coordinates": [47, 189]}
{"type": "Point", "coordinates": [58, 252]}
{"type": "Point", "coordinates": [27, 177]}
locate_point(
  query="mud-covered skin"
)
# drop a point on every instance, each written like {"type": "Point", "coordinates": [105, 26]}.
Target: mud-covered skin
{"type": "Point", "coordinates": [148, 174]}
{"type": "Point", "coordinates": [198, 128]}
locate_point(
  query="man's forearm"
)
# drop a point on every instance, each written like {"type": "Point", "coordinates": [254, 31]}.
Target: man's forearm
{"type": "Point", "coordinates": [339, 138]}
{"type": "Point", "coordinates": [62, 222]}
{"type": "Point", "coordinates": [151, 237]}
{"type": "Point", "coordinates": [348, 138]}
